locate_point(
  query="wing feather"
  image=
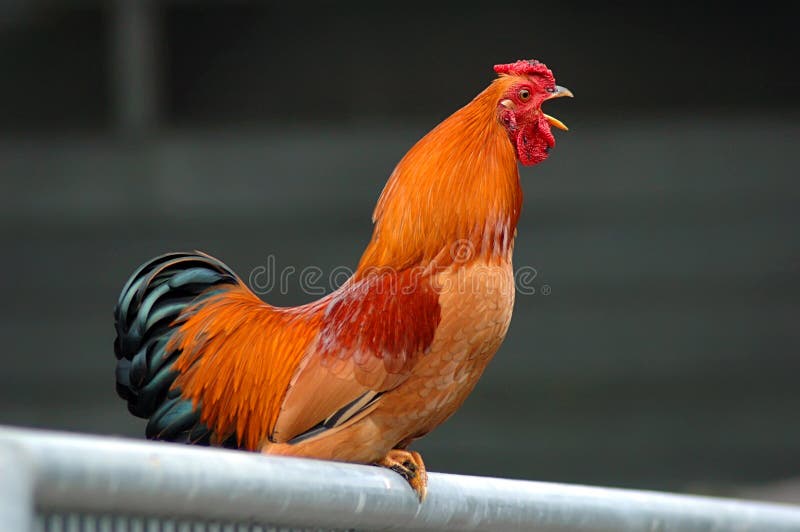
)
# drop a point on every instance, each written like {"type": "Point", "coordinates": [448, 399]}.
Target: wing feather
{"type": "Point", "coordinates": [373, 332]}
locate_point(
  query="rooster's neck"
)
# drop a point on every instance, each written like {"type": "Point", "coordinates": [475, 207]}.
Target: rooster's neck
{"type": "Point", "coordinates": [454, 197]}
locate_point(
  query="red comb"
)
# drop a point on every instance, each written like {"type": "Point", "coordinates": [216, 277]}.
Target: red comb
{"type": "Point", "coordinates": [524, 67]}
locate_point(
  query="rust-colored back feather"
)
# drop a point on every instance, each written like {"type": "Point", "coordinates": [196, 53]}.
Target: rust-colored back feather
{"type": "Point", "coordinates": [238, 356]}
{"type": "Point", "coordinates": [391, 316]}
{"type": "Point", "coordinates": [373, 332]}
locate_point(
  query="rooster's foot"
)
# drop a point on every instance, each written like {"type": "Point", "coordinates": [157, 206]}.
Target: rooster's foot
{"type": "Point", "coordinates": [409, 465]}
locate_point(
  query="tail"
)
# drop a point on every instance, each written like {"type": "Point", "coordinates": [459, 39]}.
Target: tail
{"type": "Point", "coordinates": [147, 315]}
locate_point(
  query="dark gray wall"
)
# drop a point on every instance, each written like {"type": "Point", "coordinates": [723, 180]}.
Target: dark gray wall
{"type": "Point", "coordinates": [664, 223]}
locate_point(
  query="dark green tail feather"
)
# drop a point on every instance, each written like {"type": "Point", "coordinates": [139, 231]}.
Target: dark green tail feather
{"type": "Point", "coordinates": [146, 315]}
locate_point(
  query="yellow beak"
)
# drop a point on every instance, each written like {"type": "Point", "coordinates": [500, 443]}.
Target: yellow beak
{"type": "Point", "coordinates": [555, 122]}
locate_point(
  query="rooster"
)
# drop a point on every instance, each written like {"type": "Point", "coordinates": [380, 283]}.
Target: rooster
{"type": "Point", "coordinates": [361, 373]}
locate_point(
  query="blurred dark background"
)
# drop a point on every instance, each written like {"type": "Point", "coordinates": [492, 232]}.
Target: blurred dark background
{"type": "Point", "coordinates": [664, 226]}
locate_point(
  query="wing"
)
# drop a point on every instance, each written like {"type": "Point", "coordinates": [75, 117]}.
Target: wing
{"type": "Point", "coordinates": [373, 332]}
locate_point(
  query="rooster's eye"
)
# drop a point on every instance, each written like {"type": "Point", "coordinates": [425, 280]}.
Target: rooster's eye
{"type": "Point", "coordinates": [524, 94]}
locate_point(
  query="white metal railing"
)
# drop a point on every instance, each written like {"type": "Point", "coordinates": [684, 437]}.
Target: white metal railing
{"type": "Point", "coordinates": [45, 473]}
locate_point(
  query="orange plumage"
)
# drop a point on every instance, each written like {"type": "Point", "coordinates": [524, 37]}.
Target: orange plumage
{"type": "Point", "coordinates": [361, 373]}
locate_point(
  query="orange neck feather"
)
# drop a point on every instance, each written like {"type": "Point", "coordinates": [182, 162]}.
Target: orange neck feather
{"type": "Point", "coordinates": [456, 191]}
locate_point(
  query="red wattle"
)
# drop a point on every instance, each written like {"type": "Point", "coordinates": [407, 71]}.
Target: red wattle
{"type": "Point", "coordinates": [533, 141]}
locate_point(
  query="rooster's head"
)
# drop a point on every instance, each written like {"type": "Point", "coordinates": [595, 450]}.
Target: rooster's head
{"type": "Point", "coordinates": [526, 85]}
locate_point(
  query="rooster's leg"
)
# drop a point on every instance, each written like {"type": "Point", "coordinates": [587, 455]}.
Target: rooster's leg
{"type": "Point", "coordinates": [409, 465]}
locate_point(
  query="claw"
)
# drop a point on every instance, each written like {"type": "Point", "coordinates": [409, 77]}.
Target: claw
{"type": "Point", "coordinates": [409, 465]}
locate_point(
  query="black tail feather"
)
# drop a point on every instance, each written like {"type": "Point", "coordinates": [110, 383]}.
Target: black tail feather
{"type": "Point", "coordinates": [147, 313]}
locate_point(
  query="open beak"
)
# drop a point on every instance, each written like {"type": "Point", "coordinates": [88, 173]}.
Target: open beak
{"type": "Point", "coordinates": [559, 92]}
